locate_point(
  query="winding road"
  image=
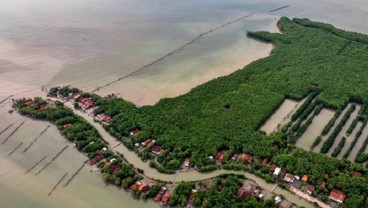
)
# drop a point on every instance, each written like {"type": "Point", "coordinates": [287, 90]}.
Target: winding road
{"type": "Point", "coordinates": [133, 158]}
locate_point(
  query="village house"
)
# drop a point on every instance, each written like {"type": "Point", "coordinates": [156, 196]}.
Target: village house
{"type": "Point", "coordinates": [246, 157]}
{"type": "Point", "coordinates": [234, 157]}
{"type": "Point", "coordinates": [305, 178]}
{"type": "Point", "coordinates": [140, 187]}
{"type": "Point", "coordinates": [191, 195]}
{"type": "Point", "coordinates": [278, 199]}
{"type": "Point", "coordinates": [159, 195]}
{"type": "Point", "coordinates": [289, 178]}
{"type": "Point", "coordinates": [29, 103]}
{"type": "Point", "coordinates": [166, 198]}
{"type": "Point", "coordinates": [86, 103]}
{"type": "Point", "coordinates": [264, 161]}
{"type": "Point", "coordinates": [309, 189]}
{"type": "Point", "coordinates": [243, 193]}
{"type": "Point", "coordinates": [136, 132]}
{"type": "Point", "coordinates": [277, 171]}
{"type": "Point", "coordinates": [96, 159]}
{"type": "Point", "coordinates": [220, 156]}
{"type": "Point", "coordinates": [356, 173]}
{"type": "Point", "coordinates": [115, 169]}
{"type": "Point", "coordinates": [157, 150]}
{"type": "Point", "coordinates": [337, 196]}
{"type": "Point", "coordinates": [147, 142]}
{"type": "Point", "coordinates": [323, 185]}
{"type": "Point", "coordinates": [103, 118]}
{"type": "Point", "coordinates": [67, 125]}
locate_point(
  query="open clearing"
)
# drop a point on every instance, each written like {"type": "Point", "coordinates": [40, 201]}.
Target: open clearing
{"type": "Point", "coordinates": [281, 116]}
{"type": "Point", "coordinates": [315, 129]}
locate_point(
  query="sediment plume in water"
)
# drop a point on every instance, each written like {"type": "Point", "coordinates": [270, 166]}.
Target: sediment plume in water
{"type": "Point", "coordinates": [75, 174]}
{"type": "Point", "coordinates": [174, 51]}
{"type": "Point", "coordinates": [52, 160]}
{"type": "Point", "coordinates": [29, 146]}
{"type": "Point", "coordinates": [6, 129]}
{"type": "Point", "coordinates": [15, 149]}
{"type": "Point", "coordinates": [29, 170]}
{"type": "Point", "coordinates": [61, 179]}
{"type": "Point", "coordinates": [10, 135]}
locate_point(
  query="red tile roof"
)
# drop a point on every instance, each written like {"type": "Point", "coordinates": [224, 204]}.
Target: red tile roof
{"type": "Point", "coordinates": [289, 178]}
{"type": "Point", "coordinates": [67, 125]}
{"type": "Point", "coordinates": [166, 198]}
{"type": "Point", "coordinates": [273, 166]}
{"type": "Point", "coordinates": [96, 159]}
{"type": "Point", "coordinates": [265, 161]}
{"type": "Point", "coordinates": [157, 150]}
{"type": "Point", "coordinates": [220, 156]}
{"type": "Point", "coordinates": [234, 157]}
{"type": "Point", "coordinates": [107, 119]}
{"type": "Point", "coordinates": [309, 189]}
{"type": "Point", "coordinates": [337, 196]}
{"type": "Point", "coordinates": [356, 173]}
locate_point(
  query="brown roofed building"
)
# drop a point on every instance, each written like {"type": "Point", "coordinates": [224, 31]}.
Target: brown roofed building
{"type": "Point", "coordinates": [337, 196]}
{"type": "Point", "coordinates": [234, 157]}
{"type": "Point", "coordinates": [220, 156]}
{"type": "Point", "coordinates": [157, 150]}
{"type": "Point", "coordinates": [264, 161]}
{"type": "Point", "coordinates": [309, 189]}
{"type": "Point", "coordinates": [67, 125]}
{"type": "Point", "coordinates": [356, 173]}
{"type": "Point", "coordinates": [166, 198]}
{"type": "Point", "coordinates": [289, 178]}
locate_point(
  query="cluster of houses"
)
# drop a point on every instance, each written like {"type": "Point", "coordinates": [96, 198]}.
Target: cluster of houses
{"type": "Point", "coordinates": [163, 195]}
{"type": "Point", "coordinates": [335, 195]}
{"type": "Point", "coordinates": [149, 143]}
{"type": "Point", "coordinates": [29, 102]}
{"type": "Point", "coordinates": [245, 157]}
{"type": "Point", "coordinates": [85, 103]}
{"type": "Point", "coordinates": [140, 187]}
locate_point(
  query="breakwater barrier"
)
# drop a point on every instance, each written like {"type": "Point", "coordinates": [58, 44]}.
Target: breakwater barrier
{"type": "Point", "coordinates": [174, 51]}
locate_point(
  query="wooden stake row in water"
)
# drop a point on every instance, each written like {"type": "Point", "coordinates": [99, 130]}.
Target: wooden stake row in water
{"type": "Point", "coordinates": [52, 160]}
{"type": "Point", "coordinates": [5, 99]}
{"type": "Point", "coordinates": [75, 174]}
{"type": "Point", "coordinates": [29, 170]}
{"type": "Point", "coordinates": [15, 130]}
{"type": "Point", "coordinates": [6, 129]}
{"type": "Point", "coordinates": [15, 149]}
{"type": "Point", "coordinates": [283, 7]}
{"type": "Point", "coordinates": [174, 51]}
{"type": "Point", "coordinates": [53, 189]}
{"type": "Point", "coordinates": [29, 146]}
